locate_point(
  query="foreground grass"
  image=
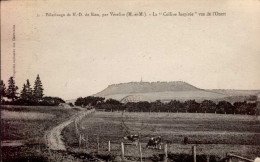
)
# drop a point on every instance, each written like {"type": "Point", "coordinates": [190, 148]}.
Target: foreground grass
{"type": "Point", "coordinates": [27, 124]}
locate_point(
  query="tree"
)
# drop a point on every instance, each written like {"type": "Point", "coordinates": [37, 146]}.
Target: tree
{"type": "Point", "coordinates": [208, 106]}
{"type": "Point", "coordinates": [155, 106]}
{"type": "Point", "coordinates": [38, 90]}
{"type": "Point", "coordinates": [225, 107]}
{"type": "Point", "coordinates": [251, 108]}
{"type": "Point", "coordinates": [244, 108]}
{"type": "Point", "coordinates": [143, 106]}
{"type": "Point", "coordinates": [240, 107]}
{"type": "Point", "coordinates": [3, 89]}
{"type": "Point", "coordinates": [175, 106]}
{"type": "Point", "coordinates": [23, 93]}
{"type": "Point", "coordinates": [89, 101]}
{"type": "Point", "coordinates": [12, 89]}
{"type": "Point", "coordinates": [29, 91]}
{"type": "Point", "coordinates": [110, 104]}
{"type": "Point", "coordinates": [113, 102]}
{"type": "Point", "coordinates": [51, 101]}
{"type": "Point", "coordinates": [79, 101]}
{"type": "Point", "coordinates": [191, 106]}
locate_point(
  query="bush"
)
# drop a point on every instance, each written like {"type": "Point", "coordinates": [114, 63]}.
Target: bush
{"type": "Point", "coordinates": [191, 106]}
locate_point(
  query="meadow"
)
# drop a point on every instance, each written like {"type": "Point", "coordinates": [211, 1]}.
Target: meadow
{"type": "Point", "coordinates": [213, 134]}
{"type": "Point", "coordinates": [198, 95]}
{"type": "Point", "coordinates": [23, 129]}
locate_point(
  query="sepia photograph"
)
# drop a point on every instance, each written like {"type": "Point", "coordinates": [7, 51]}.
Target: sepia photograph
{"type": "Point", "coordinates": [130, 81]}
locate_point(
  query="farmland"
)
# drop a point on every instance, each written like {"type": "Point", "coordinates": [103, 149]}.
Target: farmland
{"type": "Point", "coordinates": [23, 129]}
{"type": "Point", "coordinates": [214, 134]}
{"type": "Point", "coordinates": [198, 95]}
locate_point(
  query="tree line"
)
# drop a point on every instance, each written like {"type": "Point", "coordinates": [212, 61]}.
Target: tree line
{"type": "Point", "coordinates": [191, 106]}
{"type": "Point", "coordinates": [28, 95]}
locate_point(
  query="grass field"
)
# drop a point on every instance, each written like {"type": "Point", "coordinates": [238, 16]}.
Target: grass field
{"type": "Point", "coordinates": [214, 134]}
{"type": "Point", "coordinates": [23, 128]}
{"type": "Point", "coordinates": [198, 95]}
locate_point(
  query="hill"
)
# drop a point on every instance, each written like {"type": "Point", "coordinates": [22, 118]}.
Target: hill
{"type": "Point", "coordinates": [152, 91]}
{"type": "Point", "coordinates": [166, 91]}
{"type": "Point", "coordinates": [146, 87]}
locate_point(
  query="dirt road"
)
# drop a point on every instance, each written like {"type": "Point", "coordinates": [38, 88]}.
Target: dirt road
{"type": "Point", "coordinates": [53, 138]}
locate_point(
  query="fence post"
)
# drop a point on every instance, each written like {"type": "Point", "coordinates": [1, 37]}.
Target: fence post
{"type": "Point", "coordinates": [194, 153]}
{"type": "Point", "coordinates": [229, 157]}
{"type": "Point", "coordinates": [122, 150]}
{"type": "Point", "coordinates": [97, 144]}
{"type": "Point", "coordinates": [79, 140]}
{"type": "Point", "coordinates": [165, 152]}
{"type": "Point", "coordinates": [140, 149]}
{"type": "Point", "coordinates": [76, 127]}
{"type": "Point", "coordinates": [87, 142]}
{"type": "Point", "coordinates": [108, 146]}
{"type": "Point", "coordinates": [49, 150]}
{"type": "Point", "coordinates": [208, 157]}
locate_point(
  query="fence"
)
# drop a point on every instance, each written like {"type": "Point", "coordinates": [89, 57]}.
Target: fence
{"type": "Point", "coordinates": [123, 149]}
{"type": "Point", "coordinates": [93, 144]}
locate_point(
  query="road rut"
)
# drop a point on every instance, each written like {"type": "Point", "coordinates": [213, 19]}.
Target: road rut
{"type": "Point", "coordinates": [53, 138]}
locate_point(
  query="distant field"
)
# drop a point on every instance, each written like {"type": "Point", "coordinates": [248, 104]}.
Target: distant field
{"type": "Point", "coordinates": [232, 92]}
{"type": "Point", "coordinates": [198, 95]}
{"type": "Point", "coordinates": [214, 134]}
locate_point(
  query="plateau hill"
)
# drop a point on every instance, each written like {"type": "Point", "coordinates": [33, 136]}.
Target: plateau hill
{"type": "Point", "coordinates": [146, 87]}
{"type": "Point", "coordinates": [152, 91]}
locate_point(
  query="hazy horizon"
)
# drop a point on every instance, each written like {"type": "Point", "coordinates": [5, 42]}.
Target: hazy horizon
{"type": "Point", "coordinates": [82, 56]}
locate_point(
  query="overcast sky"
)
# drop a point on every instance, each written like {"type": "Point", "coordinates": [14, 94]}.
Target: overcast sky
{"type": "Point", "coordinates": [82, 56]}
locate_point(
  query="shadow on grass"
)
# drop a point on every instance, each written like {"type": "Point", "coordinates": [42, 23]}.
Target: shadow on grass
{"type": "Point", "coordinates": [186, 158]}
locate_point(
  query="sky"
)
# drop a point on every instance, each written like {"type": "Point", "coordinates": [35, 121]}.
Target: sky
{"type": "Point", "coordinates": [80, 56]}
